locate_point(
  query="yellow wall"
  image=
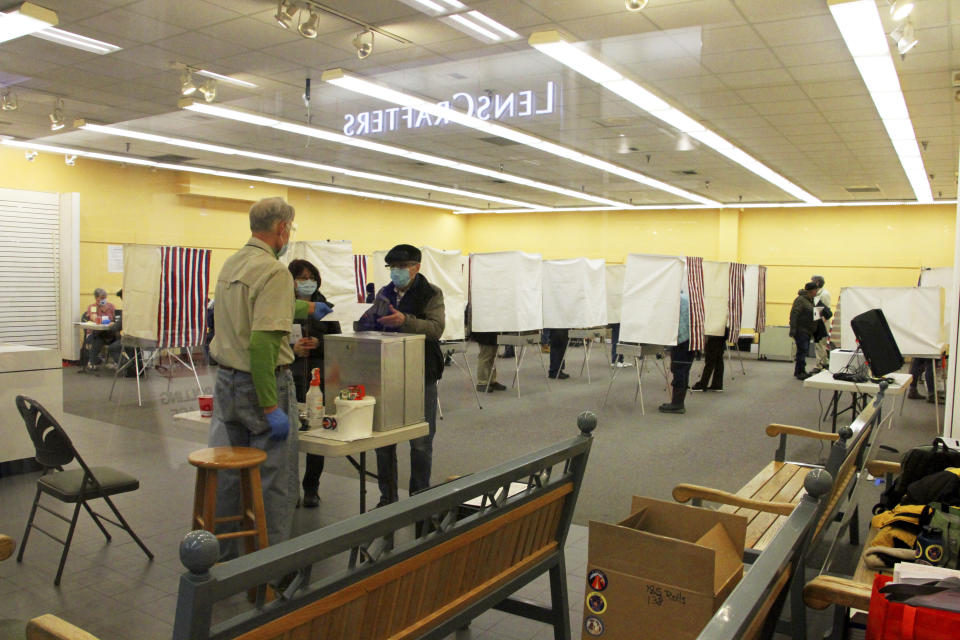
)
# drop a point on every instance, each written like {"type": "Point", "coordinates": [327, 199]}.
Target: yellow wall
{"type": "Point", "coordinates": [864, 246]}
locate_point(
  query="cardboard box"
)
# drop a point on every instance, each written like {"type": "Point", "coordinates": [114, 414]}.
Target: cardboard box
{"type": "Point", "coordinates": [661, 573]}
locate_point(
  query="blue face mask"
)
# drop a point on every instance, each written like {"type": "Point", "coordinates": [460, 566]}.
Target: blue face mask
{"type": "Point", "coordinates": [306, 288]}
{"type": "Point", "coordinates": [282, 250]}
{"type": "Point", "coordinates": [400, 276]}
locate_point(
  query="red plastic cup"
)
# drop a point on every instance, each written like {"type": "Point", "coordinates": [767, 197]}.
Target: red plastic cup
{"type": "Point", "coordinates": [206, 406]}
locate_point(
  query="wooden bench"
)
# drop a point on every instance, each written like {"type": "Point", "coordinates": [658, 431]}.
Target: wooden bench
{"type": "Point", "coordinates": [405, 586]}
{"type": "Point", "coordinates": [770, 497]}
{"type": "Point", "coordinates": [753, 608]}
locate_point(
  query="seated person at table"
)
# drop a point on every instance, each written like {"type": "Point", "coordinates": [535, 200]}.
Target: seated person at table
{"type": "Point", "coordinates": [94, 341]}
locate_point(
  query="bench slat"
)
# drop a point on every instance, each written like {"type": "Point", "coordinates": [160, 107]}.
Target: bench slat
{"type": "Point", "coordinates": [792, 492]}
{"type": "Point", "coordinates": [755, 483]}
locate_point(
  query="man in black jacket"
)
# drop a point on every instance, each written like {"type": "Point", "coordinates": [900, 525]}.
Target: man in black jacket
{"type": "Point", "coordinates": [802, 326]}
{"type": "Point", "coordinates": [410, 304]}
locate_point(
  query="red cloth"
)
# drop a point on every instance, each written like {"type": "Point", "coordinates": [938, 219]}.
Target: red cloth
{"type": "Point", "coordinates": [896, 621]}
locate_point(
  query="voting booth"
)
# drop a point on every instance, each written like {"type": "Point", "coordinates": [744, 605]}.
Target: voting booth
{"type": "Point", "coordinates": [915, 316]}
{"type": "Point", "coordinates": [651, 299]}
{"type": "Point", "coordinates": [716, 297]}
{"type": "Point", "coordinates": [448, 270]}
{"type": "Point", "coordinates": [334, 260]}
{"type": "Point", "coordinates": [615, 274]}
{"type": "Point", "coordinates": [506, 292]}
{"type": "Point", "coordinates": [574, 293]}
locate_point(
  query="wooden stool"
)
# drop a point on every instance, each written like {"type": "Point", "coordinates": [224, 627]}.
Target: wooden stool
{"type": "Point", "coordinates": [247, 461]}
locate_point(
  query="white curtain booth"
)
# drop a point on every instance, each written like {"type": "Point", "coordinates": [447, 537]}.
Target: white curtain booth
{"type": "Point", "coordinates": [915, 316]}
{"type": "Point", "coordinates": [651, 299]}
{"type": "Point", "coordinates": [751, 298]}
{"type": "Point", "coordinates": [449, 271]}
{"type": "Point", "coordinates": [574, 293]}
{"type": "Point", "coordinates": [334, 260]}
{"type": "Point", "coordinates": [716, 297]}
{"type": "Point", "coordinates": [506, 291]}
{"type": "Point", "coordinates": [615, 275]}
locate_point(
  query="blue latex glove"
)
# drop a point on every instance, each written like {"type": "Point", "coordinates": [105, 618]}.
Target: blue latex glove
{"type": "Point", "coordinates": [279, 424]}
{"type": "Point", "coordinates": [320, 309]}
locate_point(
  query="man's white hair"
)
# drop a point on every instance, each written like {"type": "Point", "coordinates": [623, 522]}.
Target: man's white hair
{"type": "Point", "coordinates": [267, 212]}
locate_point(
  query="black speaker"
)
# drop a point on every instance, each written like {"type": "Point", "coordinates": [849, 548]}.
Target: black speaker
{"type": "Point", "coordinates": [877, 342]}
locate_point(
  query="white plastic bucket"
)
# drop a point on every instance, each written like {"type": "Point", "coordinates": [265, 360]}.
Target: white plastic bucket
{"type": "Point", "coordinates": [354, 419]}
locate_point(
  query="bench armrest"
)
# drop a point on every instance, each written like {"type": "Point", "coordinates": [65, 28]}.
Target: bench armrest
{"type": "Point", "coordinates": [878, 468]}
{"type": "Point", "coordinates": [50, 627]}
{"type": "Point", "coordinates": [786, 429]}
{"type": "Point", "coordinates": [823, 591]}
{"type": "Point", "coordinates": [7, 546]}
{"type": "Point", "coordinates": [687, 492]}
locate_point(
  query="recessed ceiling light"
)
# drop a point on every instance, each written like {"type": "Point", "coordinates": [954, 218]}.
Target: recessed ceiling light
{"type": "Point", "coordinates": [76, 41]}
{"type": "Point", "coordinates": [862, 31]}
{"type": "Point", "coordinates": [367, 87]}
{"type": "Point", "coordinates": [551, 43]}
{"type": "Point", "coordinates": [27, 19]}
{"type": "Point", "coordinates": [325, 168]}
{"type": "Point", "coordinates": [239, 115]}
{"type": "Point", "coordinates": [223, 78]}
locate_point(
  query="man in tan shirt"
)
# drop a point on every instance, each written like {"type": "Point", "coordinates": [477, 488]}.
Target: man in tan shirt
{"type": "Point", "coordinates": [254, 398]}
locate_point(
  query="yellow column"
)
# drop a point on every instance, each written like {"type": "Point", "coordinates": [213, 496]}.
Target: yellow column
{"type": "Point", "coordinates": [728, 235]}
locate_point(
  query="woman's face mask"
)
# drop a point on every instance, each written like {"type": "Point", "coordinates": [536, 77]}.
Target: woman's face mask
{"type": "Point", "coordinates": [306, 288]}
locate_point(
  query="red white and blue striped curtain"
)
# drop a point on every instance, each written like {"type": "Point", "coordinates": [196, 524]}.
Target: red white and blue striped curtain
{"type": "Point", "coordinates": [761, 299]}
{"type": "Point", "coordinates": [184, 283]}
{"type": "Point", "coordinates": [697, 310]}
{"type": "Point", "coordinates": [736, 299]}
{"type": "Point", "coordinates": [360, 276]}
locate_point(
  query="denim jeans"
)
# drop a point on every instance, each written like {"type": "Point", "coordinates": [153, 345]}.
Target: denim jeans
{"type": "Point", "coordinates": [238, 421]}
{"type": "Point", "coordinates": [802, 341]}
{"type": "Point", "coordinates": [421, 454]}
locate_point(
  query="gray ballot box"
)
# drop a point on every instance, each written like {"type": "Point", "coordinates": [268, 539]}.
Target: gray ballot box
{"type": "Point", "coordinates": [388, 365]}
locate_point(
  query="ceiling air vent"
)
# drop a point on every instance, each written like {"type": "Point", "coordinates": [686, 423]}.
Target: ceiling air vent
{"type": "Point", "coordinates": [500, 142]}
{"type": "Point", "coordinates": [863, 188]}
{"type": "Point", "coordinates": [457, 76]}
{"type": "Point", "coordinates": [257, 172]}
{"type": "Point", "coordinates": [171, 158]}
{"type": "Point", "coordinates": [615, 122]}
{"type": "Point", "coordinates": [686, 172]}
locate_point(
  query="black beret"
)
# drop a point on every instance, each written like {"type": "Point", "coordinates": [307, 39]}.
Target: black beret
{"type": "Point", "coordinates": [810, 286]}
{"type": "Point", "coordinates": [403, 253]}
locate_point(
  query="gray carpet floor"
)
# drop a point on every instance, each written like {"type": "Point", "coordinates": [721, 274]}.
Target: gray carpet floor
{"type": "Point", "coordinates": [111, 590]}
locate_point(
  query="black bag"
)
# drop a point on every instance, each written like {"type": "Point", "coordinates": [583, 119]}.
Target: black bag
{"type": "Point", "coordinates": [915, 464]}
{"type": "Point", "coordinates": [942, 487]}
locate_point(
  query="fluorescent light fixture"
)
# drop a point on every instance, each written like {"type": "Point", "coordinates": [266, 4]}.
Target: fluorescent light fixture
{"type": "Point", "coordinates": [551, 43]}
{"type": "Point", "coordinates": [326, 168]}
{"type": "Point", "coordinates": [686, 207]}
{"type": "Point", "coordinates": [363, 86]}
{"type": "Point", "coordinates": [489, 22]}
{"type": "Point", "coordinates": [427, 6]}
{"type": "Point", "coordinates": [27, 19]}
{"type": "Point", "coordinates": [110, 157]}
{"type": "Point", "coordinates": [223, 78]}
{"type": "Point", "coordinates": [455, 5]}
{"type": "Point", "coordinates": [862, 31]}
{"type": "Point", "coordinates": [76, 41]}
{"type": "Point", "coordinates": [460, 22]}
{"type": "Point", "coordinates": [416, 156]}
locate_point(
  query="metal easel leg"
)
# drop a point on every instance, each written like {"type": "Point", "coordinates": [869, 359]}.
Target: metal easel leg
{"type": "Point", "coordinates": [613, 376]}
{"type": "Point", "coordinates": [136, 357]}
{"type": "Point", "coordinates": [516, 374]}
{"type": "Point", "coordinates": [473, 384]}
{"type": "Point", "coordinates": [638, 361]}
{"type": "Point", "coordinates": [546, 374]}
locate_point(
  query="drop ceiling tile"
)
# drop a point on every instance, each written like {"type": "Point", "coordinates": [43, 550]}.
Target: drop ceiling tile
{"type": "Point", "coordinates": [934, 80]}
{"type": "Point", "coordinates": [41, 50]}
{"type": "Point", "coordinates": [933, 109]}
{"type": "Point", "coordinates": [851, 115]}
{"type": "Point", "coordinates": [608, 25]}
{"type": "Point", "coordinates": [820, 53]}
{"type": "Point", "coordinates": [250, 33]}
{"type": "Point", "coordinates": [189, 14]}
{"type": "Point", "coordinates": [842, 103]}
{"type": "Point", "coordinates": [929, 96]}
{"type": "Point", "coordinates": [693, 13]}
{"type": "Point", "coordinates": [132, 25]}
{"type": "Point", "coordinates": [721, 63]}
{"type": "Point", "coordinates": [15, 65]}
{"type": "Point", "coordinates": [786, 106]}
{"type": "Point", "coordinates": [919, 62]}
{"type": "Point", "coordinates": [775, 10]}
{"type": "Point", "coordinates": [823, 72]}
{"type": "Point", "coordinates": [752, 79]}
{"type": "Point", "coordinates": [835, 89]}
{"type": "Point", "coordinates": [684, 89]}
{"type": "Point", "coordinates": [147, 56]}
{"type": "Point", "coordinates": [782, 92]}
{"type": "Point", "coordinates": [667, 69]}
{"type": "Point", "coordinates": [817, 28]}
{"type": "Point", "coordinates": [116, 68]}
{"type": "Point", "coordinates": [197, 49]}
{"type": "Point", "coordinates": [723, 40]}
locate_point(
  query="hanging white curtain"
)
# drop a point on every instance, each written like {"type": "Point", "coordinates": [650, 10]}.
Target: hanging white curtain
{"type": "Point", "coordinates": [574, 293]}
{"type": "Point", "coordinates": [716, 296]}
{"type": "Point", "coordinates": [448, 270]}
{"type": "Point", "coordinates": [651, 299]}
{"type": "Point", "coordinates": [506, 291]}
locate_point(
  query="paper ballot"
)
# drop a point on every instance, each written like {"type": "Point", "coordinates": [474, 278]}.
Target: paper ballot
{"type": "Point", "coordinates": [296, 332]}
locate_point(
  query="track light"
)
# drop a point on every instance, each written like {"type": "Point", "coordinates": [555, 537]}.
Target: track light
{"type": "Point", "coordinates": [363, 48]}
{"type": "Point", "coordinates": [635, 5]}
{"type": "Point", "coordinates": [904, 36]}
{"type": "Point", "coordinates": [285, 13]}
{"type": "Point", "coordinates": [30, 156]}
{"type": "Point", "coordinates": [8, 101]}
{"type": "Point", "coordinates": [70, 160]}
{"type": "Point", "coordinates": [56, 118]}
{"type": "Point", "coordinates": [309, 28]}
{"type": "Point", "coordinates": [187, 85]}
{"type": "Point", "coordinates": [900, 9]}
{"type": "Point", "coordinates": [209, 90]}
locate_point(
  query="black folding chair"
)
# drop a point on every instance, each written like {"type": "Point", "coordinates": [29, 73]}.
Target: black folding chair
{"type": "Point", "coordinates": [76, 486]}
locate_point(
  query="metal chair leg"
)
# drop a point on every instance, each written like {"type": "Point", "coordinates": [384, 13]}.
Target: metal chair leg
{"type": "Point", "coordinates": [26, 531]}
{"type": "Point", "coordinates": [96, 519]}
{"type": "Point", "coordinates": [66, 544]}
{"type": "Point", "coordinates": [127, 527]}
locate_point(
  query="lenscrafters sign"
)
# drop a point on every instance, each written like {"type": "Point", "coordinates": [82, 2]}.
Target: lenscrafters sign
{"type": "Point", "coordinates": [518, 104]}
